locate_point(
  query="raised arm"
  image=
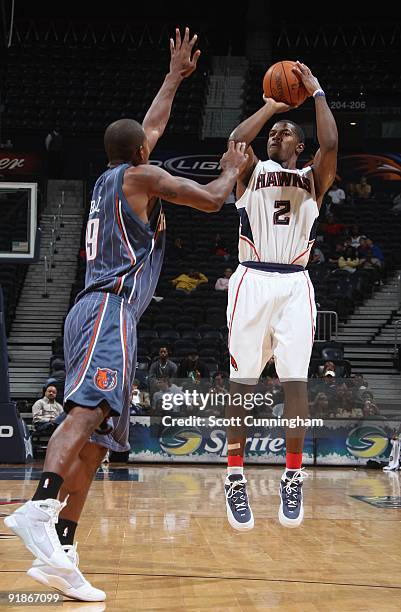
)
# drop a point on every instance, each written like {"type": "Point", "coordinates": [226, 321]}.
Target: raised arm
{"type": "Point", "coordinates": [325, 160]}
{"type": "Point", "coordinates": [181, 66]}
{"type": "Point", "coordinates": [146, 181]}
{"type": "Point", "coordinates": [247, 132]}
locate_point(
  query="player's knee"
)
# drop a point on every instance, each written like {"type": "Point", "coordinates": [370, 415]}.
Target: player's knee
{"type": "Point", "coordinates": [88, 418]}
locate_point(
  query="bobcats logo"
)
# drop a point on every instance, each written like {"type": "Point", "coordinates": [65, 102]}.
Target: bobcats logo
{"type": "Point", "coordinates": [105, 379]}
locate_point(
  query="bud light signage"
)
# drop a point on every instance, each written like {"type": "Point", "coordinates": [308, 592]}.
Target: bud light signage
{"type": "Point", "coordinates": [200, 166]}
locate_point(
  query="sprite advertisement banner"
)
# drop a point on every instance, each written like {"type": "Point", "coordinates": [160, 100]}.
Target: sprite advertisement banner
{"type": "Point", "coordinates": [337, 442]}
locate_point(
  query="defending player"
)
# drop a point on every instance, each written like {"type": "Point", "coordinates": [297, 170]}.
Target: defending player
{"type": "Point", "coordinates": [124, 244]}
{"type": "Point", "coordinates": [271, 308]}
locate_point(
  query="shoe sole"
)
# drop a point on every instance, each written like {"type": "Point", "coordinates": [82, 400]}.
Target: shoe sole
{"type": "Point", "coordinates": [24, 535]}
{"type": "Point", "coordinates": [59, 584]}
{"type": "Point", "coordinates": [235, 524]}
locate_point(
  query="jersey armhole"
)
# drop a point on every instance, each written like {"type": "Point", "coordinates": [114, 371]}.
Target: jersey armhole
{"type": "Point", "coordinates": [319, 201]}
{"type": "Point", "coordinates": [246, 185]}
{"type": "Point", "coordinates": [124, 203]}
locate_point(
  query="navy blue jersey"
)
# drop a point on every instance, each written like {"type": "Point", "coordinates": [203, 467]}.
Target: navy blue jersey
{"type": "Point", "coordinates": [124, 255]}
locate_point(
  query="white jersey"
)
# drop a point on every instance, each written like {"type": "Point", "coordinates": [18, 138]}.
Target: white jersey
{"type": "Point", "coordinates": [278, 215]}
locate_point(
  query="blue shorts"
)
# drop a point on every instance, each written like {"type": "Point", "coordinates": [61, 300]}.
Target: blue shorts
{"type": "Point", "coordinates": [100, 358]}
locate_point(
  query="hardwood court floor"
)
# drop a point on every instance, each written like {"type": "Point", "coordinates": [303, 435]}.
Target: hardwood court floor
{"type": "Point", "coordinates": [156, 538]}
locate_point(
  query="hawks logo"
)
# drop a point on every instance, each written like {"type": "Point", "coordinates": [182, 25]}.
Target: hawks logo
{"type": "Point", "coordinates": [105, 379]}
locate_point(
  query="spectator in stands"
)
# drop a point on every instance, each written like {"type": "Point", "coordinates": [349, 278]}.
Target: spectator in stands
{"type": "Point", "coordinates": [192, 367]}
{"type": "Point", "coordinates": [358, 381]}
{"type": "Point", "coordinates": [319, 408]}
{"type": "Point", "coordinates": [188, 282]}
{"type": "Point", "coordinates": [54, 148]}
{"type": "Point", "coordinates": [376, 250]}
{"type": "Point", "coordinates": [178, 250]}
{"type": "Point", "coordinates": [365, 394]}
{"type": "Point", "coordinates": [362, 249]}
{"type": "Point", "coordinates": [165, 386]}
{"type": "Point", "coordinates": [220, 382]}
{"type": "Point", "coordinates": [337, 197]}
{"type": "Point", "coordinates": [396, 209]}
{"type": "Point", "coordinates": [370, 410]}
{"type": "Point", "coordinates": [325, 383]}
{"type": "Point", "coordinates": [339, 252]}
{"type": "Point", "coordinates": [370, 263]}
{"type": "Point", "coordinates": [140, 400]}
{"type": "Point", "coordinates": [163, 367]}
{"type": "Point", "coordinates": [219, 388]}
{"type": "Point", "coordinates": [220, 247]}
{"type": "Point", "coordinates": [328, 369]}
{"type": "Point", "coordinates": [350, 192]}
{"type": "Point", "coordinates": [331, 227]}
{"type": "Point", "coordinates": [363, 189]}
{"type": "Point", "coordinates": [356, 412]}
{"type": "Point", "coordinates": [222, 282]}
{"type": "Point", "coordinates": [349, 262]}
{"type": "Point", "coordinates": [47, 414]}
{"type": "Point", "coordinates": [355, 236]}
{"type": "Point", "coordinates": [316, 256]}
{"type": "Point", "coordinates": [343, 401]}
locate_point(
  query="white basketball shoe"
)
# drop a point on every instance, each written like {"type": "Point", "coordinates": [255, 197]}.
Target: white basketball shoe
{"type": "Point", "coordinates": [72, 584]}
{"type": "Point", "coordinates": [34, 522]}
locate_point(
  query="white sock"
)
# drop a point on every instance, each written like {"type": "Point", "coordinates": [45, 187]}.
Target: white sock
{"type": "Point", "coordinates": [235, 470]}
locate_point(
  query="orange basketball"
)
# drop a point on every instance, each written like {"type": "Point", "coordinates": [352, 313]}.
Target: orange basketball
{"type": "Point", "coordinates": [281, 84]}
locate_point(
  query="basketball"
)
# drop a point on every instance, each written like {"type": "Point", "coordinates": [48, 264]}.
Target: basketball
{"type": "Point", "coordinates": [281, 84]}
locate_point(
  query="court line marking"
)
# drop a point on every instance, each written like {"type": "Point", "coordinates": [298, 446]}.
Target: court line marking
{"type": "Point", "coordinates": [208, 577]}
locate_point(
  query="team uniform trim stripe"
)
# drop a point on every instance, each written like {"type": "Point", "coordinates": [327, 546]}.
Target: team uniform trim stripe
{"type": "Point", "coordinates": [92, 345]}
{"type": "Point", "coordinates": [131, 253]}
{"type": "Point", "coordinates": [123, 342]}
{"type": "Point", "coordinates": [134, 285]}
{"type": "Point", "coordinates": [250, 244]}
{"type": "Point", "coordinates": [311, 309]}
{"type": "Point", "coordinates": [141, 266]}
{"type": "Point", "coordinates": [121, 225]}
{"type": "Point", "coordinates": [234, 307]}
{"type": "Point", "coordinates": [303, 253]}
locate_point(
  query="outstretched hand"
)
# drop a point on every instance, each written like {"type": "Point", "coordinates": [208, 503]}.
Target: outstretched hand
{"type": "Point", "coordinates": [277, 107]}
{"type": "Point", "coordinates": [305, 75]}
{"type": "Point", "coordinates": [181, 62]}
{"type": "Point", "coordinates": [235, 156]}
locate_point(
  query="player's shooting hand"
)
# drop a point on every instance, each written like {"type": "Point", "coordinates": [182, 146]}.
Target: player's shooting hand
{"type": "Point", "coordinates": [181, 62]}
{"type": "Point", "coordinates": [276, 107]}
{"type": "Point", "coordinates": [235, 156]}
{"type": "Point", "coordinates": [305, 74]}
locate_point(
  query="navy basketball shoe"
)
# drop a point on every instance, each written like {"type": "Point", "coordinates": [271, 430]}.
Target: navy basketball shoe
{"type": "Point", "coordinates": [291, 511]}
{"type": "Point", "coordinates": [239, 512]}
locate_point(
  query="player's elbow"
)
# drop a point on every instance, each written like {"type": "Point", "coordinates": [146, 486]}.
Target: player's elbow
{"type": "Point", "coordinates": [215, 205]}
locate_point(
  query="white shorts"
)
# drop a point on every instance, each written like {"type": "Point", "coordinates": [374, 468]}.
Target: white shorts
{"type": "Point", "coordinates": [270, 313]}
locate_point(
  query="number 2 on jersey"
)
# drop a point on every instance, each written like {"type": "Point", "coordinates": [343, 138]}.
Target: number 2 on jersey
{"type": "Point", "coordinates": [284, 207]}
{"type": "Point", "coordinates": [92, 230]}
